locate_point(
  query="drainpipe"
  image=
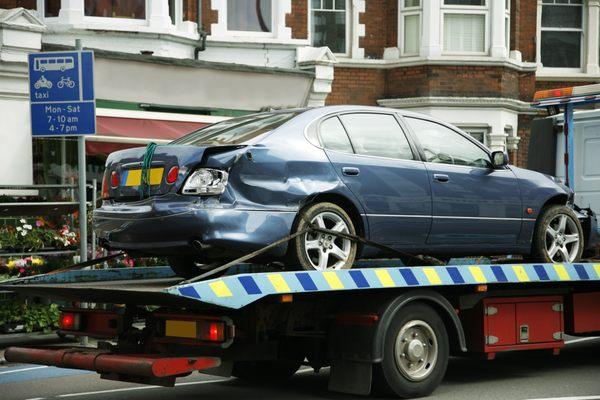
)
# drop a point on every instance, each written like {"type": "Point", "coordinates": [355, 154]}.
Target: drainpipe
{"type": "Point", "coordinates": [202, 41]}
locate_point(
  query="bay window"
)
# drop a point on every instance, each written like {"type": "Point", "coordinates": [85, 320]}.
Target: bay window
{"type": "Point", "coordinates": [130, 9]}
{"type": "Point", "coordinates": [465, 28]}
{"type": "Point", "coordinates": [250, 16]}
{"type": "Point", "coordinates": [410, 27]}
{"type": "Point", "coordinates": [561, 33]}
{"type": "Point", "coordinates": [329, 24]}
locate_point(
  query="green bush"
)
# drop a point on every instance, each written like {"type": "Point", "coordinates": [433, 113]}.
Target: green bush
{"type": "Point", "coordinates": [35, 317]}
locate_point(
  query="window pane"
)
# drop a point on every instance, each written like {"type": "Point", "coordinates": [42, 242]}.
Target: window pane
{"type": "Point", "coordinates": [464, 32]}
{"type": "Point", "coordinates": [412, 3]}
{"type": "Point", "coordinates": [562, 16]}
{"type": "Point", "coordinates": [329, 29]}
{"type": "Point", "coordinates": [412, 34]}
{"type": "Point", "coordinates": [442, 145]}
{"type": "Point", "coordinates": [377, 135]}
{"type": "Point", "coordinates": [135, 9]}
{"type": "Point", "coordinates": [465, 2]}
{"type": "Point", "coordinates": [333, 136]}
{"type": "Point", "coordinates": [250, 16]}
{"type": "Point", "coordinates": [26, 4]}
{"type": "Point", "coordinates": [51, 8]}
{"type": "Point", "coordinates": [561, 49]}
{"type": "Point", "coordinates": [190, 10]}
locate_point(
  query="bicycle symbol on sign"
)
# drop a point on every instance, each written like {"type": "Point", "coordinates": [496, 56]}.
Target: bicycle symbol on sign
{"type": "Point", "coordinates": [68, 82]}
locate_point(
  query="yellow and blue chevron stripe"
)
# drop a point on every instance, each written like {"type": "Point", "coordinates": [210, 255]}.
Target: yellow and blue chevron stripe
{"type": "Point", "coordinates": [238, 291]}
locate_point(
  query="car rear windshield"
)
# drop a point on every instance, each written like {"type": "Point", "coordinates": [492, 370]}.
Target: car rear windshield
{"type": "Point", "coordinates": [240, 130]}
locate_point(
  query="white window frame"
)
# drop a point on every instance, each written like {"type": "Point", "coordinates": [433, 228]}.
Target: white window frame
{"type": "Point", "coordinates": [507, 16]}
{"type": "Point", "coordinates": [274, 21]}
{"type": "Point", "coordinates": [404, 12]}
{"type": "Point", "coordinates": [476, 129]}
{"type": "Point", "coordinates": [348, 11]}
{"type": "Point", "coordinates": [582, 30]}
{"type": "Point", "coordinates": [466, 9]}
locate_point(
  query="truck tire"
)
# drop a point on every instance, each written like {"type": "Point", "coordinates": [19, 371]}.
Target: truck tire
{"type": "Point", "coordinates": [315, 251]}
{"type": "Point", "coordinates": [558, 236]}
{"type": "Point", "coordinates": [415, 353]}
{"type": "Point", "coordinates": [265, 371]}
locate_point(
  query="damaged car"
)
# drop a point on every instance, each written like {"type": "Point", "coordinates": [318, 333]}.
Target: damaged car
{"type": "Point", "coordinates": [401, 179]}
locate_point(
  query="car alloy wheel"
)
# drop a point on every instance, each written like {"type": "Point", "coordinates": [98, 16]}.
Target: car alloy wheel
{"type": "Point", "coordinates": [327, 251]}
{"type": "Point", "coordinates": [562, 239]}
{"type": "Point", "coordinates": [416, 350]}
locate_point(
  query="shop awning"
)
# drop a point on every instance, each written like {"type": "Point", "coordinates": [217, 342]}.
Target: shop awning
{"type": "Point", "coordinates": [117, 133]}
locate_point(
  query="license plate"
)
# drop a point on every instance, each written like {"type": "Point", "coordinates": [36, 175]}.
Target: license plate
{"type": "Point", "coordinates": [133, 177]}
{"type": "Point", "coordinates": [181, 329]}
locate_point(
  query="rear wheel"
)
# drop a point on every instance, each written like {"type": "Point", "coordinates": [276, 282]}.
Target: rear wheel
{"type": "Point", "coordinates": [265, 371]}
{"type": "Point", "coordinates": [317, 251]}
{"type": "Point", "coordinates": [415, 353]}
{"type": "Point", "coordinates": [558, 236]}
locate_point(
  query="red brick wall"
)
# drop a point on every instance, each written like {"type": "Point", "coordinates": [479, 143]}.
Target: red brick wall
{"type": "Point", "coordinates": [298, 19]}
{"type": "Point", "coordinates": [375, 19]}
{"type": "Point", "coordinates": [362, 86]}
{"type": "Point", "coordinates": [525, 24]}
{"type": "Point", "coordinates": [28, 4]}
{"type": "Point", "coordinates": [469, 81]}
{"type": "Point", "coordinates": [209, 16]}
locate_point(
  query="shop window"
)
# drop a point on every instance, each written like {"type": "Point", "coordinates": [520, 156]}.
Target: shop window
{"type": "Point", "coordinates": [131, 9]}
{"type": "Point", "coordinates": [250, 16]}
{"type": "Point", "coordinates": [410, 30]}
{"type": "Point", "coordinates": [329, 24]}
{"type": "Point", "coordinates": [562, 33]}
{"type": "Point", "coordinates": [465, 26]}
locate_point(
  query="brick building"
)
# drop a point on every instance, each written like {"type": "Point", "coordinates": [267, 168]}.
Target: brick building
{"type": "Point", "coordinates": [474, 63]}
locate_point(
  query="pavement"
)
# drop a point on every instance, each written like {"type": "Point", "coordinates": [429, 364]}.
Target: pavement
{"type": "Point", "coordinates": [574, 375]}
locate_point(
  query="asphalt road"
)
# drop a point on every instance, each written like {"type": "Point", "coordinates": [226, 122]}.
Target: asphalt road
{"type": "Point", "coordinates": [575, 374]}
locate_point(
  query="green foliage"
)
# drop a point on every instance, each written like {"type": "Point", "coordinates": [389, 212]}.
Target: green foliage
{"type": "Point", "coordinates": [35, 317]}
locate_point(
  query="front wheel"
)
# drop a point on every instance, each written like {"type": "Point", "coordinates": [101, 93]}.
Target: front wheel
{"type": "Point", "coordinates": [415, 353]}
{"type": "Point", "coordinates": [558, 236]}
{"type": "Point", "coordinates": [318, 251]}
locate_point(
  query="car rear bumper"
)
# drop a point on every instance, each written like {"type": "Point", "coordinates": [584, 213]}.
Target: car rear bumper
{"type": "Point", "coordinates": [167, 227]}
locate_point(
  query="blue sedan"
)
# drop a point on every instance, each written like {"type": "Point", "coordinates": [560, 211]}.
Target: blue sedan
{"type": "Point", "coordinates": [402, 179]}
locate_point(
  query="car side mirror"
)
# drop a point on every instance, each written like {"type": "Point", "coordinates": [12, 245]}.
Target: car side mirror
{"type": "Point", "coordinates": [499, 159]}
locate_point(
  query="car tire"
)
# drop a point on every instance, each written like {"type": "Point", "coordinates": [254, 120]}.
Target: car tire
{"type": "Point", "coordinates": [558, 235]}
{"type": "Point", "coordinates": [265, 371]}
{"type": "Point", "coordinates": [412, 366]}
{"type": "Point", "coordinates": [314, 251]}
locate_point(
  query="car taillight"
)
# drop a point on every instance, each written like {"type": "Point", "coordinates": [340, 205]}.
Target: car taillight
{"type": "Point", "coordinates": [70, 321]}
{"type": "Point", "coordinates": [104, 194]}
{"type": "Point", "coordinates": [211, 331]}
{"type": "Point", "coordinates": [114, 180]}
{"type": "Point", "coordinates": [172, 175]}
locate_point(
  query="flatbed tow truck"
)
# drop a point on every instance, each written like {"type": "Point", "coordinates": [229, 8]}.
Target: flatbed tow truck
{"type": "Point", "coordinates": [381, 326]}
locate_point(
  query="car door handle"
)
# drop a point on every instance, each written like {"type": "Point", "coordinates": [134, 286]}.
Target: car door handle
{"type": "Point", "coordinates": [441, 177]}
{"type": "Point", "coordinates": [350, 171]}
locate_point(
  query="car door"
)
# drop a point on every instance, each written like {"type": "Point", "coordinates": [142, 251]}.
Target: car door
{"type": "Point", "coordinates": [374, 158]}
{"type": "Point", "coordinates": [473, 204]}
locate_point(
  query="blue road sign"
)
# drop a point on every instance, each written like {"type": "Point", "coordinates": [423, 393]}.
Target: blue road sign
{"type": "Point", "coordinates": [61, 93]}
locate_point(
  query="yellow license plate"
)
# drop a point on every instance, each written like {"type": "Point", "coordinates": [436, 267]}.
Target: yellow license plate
{"type": "Point", "coordinates": [181, 329]}
{"type": "Point", "coordinates": [133, 177]}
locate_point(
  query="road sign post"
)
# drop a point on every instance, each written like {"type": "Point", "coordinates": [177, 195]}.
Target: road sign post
{"type": "Point", "coordinates": [62, 100]}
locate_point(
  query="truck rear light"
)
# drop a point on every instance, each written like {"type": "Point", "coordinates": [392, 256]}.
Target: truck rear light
{"type": "Point", "coordinates": [114, 180]}
{"type": "Point", "coordinates": [172, 175]}
{"type": "Point", "coordinates": [211, 331]}
{"type": "Point", "coordinates": [70, 322]}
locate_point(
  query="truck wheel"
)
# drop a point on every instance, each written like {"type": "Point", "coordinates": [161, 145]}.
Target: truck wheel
{"type": "Point", "coordinates": [415, 353]}
{"type": "Point", "coordinates": [317, 251]}
{"type": "Point", "coordinates": [558, 236]}
{"type": "Point", "coordinates": [265, 371]}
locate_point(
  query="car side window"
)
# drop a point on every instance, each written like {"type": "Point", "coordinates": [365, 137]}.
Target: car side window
{"type": "Point", "coordinates": [377, 135]}
{"type": "Point", "coordinates": [442, 145]}
{"type": "Point", "coordinates": [333, 136]}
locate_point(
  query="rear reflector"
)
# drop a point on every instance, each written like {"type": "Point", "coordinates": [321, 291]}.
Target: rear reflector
{"type": "Point", "coordinates": [172, 175]}
{"type": "Point", "coordinates": [201, 330]}
{"type": "Point", "coordinates": [114, 180]}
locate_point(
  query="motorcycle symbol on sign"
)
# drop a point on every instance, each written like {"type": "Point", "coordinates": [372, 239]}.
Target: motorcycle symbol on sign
{"type": "Point", "coordinates": [68, 82]}
{"type": "Point", "coordinates": [43, 83]}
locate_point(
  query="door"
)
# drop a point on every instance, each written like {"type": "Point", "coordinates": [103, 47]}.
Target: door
{"type": "Point", "coordinates": [473, 204]}
{"type": "Point", "coordinates": [373, 157]}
